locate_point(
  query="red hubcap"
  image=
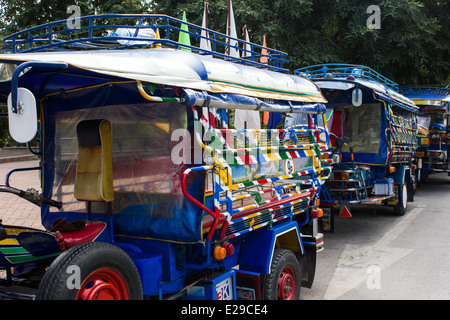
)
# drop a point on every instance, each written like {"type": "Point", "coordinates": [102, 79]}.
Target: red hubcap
{"type": "Point", "coordinates": [286, 284]}
{"type": "Point", "coordinates": [104, 284]}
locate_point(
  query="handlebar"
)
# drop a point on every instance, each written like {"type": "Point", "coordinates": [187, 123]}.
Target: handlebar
{"type": "Point", "coordinates": [340, 141]}
{"type": "Point", "coordinates": [32, 195]}
{"type": "Point", "coordinates": [51, 202]}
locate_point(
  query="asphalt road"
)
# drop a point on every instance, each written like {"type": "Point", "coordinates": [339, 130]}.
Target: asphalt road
{"type": "Point", "coordinates": [376, 255]}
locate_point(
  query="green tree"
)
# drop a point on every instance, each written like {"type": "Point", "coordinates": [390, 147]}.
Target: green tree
{"type": "Point", "coordinates": [412, 45]}
{"type": "Point", "coordinates": [17, 15]}
{"type": "Point", "coordinates": [400, 49]}
{"type": "Point", "coordinates": [439, 65]}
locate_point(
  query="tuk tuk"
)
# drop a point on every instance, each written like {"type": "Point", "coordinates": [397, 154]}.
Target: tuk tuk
{"type": "Point", "coordinates": [150, 188]}
{"type": "Point", "coordinates": [373, 133]}
{"type": "Point", "coordinates": [433, 128]}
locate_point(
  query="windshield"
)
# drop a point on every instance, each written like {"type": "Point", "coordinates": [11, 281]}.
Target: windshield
{"type": "Point", "coordinates": [6, 71]}
{"type": "Point", "coordinates": [296, 119]}
{"type": "Point", "coordinates": [423, 123]}
{"type": "Point", "coordinates": [362, 125]}
{"type": "Point", "coordinates": [302, 120]}
{"type": "Point", "coordinates": [141, 152]}
{"type": "Point", "coordinates": [438, 117]}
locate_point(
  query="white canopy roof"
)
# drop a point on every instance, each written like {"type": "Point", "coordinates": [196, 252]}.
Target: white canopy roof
{"type": "Point", "coordinates": [183, 69]}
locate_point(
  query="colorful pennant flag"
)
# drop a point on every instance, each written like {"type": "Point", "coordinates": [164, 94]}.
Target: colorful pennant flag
{"type": "Point", "coordinates": [247, 48]}
{"type": "Point", "coordinates": [156, 45]}
{"type": "Point", "coordinates": [246, 119]}
{"type": "Point", "coordinates": [184, 37]}
{"type": "Point", "coordinates": [264, 59]}
{"type": "Point", "coordinates": [231, 49]}
{"type": "Point", "coordinates": [205, 44]}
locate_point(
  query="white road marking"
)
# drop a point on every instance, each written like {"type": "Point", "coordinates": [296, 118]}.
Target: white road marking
{"type": "Point", "coordinates": [352, 266]}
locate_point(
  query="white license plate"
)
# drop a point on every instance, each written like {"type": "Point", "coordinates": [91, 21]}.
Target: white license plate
{"type": "Point", "coordinates": [224, 289]}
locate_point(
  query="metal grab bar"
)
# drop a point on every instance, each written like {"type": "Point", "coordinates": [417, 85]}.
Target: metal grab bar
{"type": "Point", "coordinates": [18, 170]}
{"type": "Point", "coordinates": [215, 215]}
{"type": "Point", "coordinates": [21, 68]}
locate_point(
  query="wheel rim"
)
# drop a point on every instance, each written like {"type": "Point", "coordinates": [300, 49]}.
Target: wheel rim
{"type": "Point", "coordinates": [404, 196]}
{"type": "Point", "coordinates": [104, 284]}
{"type": "Point", "coordinates": [287, 284]}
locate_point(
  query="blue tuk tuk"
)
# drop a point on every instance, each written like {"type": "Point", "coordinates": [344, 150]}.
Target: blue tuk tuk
{"type": "Point", "coordinates": [150, 188]}
{"type": "Point", "coordinates": [433, 126]}
{"type": "Point", "coordinates": [373, 139]}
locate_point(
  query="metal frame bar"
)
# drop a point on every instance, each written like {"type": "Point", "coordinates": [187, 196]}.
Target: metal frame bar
{"type": "Point", "coordinates": [47, 36]}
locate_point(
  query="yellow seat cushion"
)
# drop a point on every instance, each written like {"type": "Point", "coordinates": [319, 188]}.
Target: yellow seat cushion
{"type": "Point", "coordinates": [94, 179]}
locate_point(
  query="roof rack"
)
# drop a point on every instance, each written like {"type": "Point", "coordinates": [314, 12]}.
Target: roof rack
{"type": "Point", "coordinates": [442, 89]}
{"type": "Point", "coordinates": [100, 32]}
{"type": "Point", "coordinates": [343, 71]}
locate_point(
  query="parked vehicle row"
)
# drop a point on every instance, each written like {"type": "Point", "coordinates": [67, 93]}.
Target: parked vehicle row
{"type": "Point", "coordinates": [173, 171]}
{"type": "Point", "coordinates": [432, 126]}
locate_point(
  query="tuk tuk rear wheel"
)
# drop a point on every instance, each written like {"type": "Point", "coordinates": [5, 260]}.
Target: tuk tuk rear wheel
{"type": "Point", "coordinates": [400, 207]}
{"type": "Point", "coordinates": [91, 271]}
{"type": "Point", "coordinates": [424, 177]}
{"type": "Point", "coordinates": [284, 280]}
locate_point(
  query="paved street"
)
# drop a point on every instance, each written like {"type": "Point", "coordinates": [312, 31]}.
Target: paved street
{"type": "Point", "coordinates": [14, 210]}
{"type": "Point", "coordinates": [373, 255]}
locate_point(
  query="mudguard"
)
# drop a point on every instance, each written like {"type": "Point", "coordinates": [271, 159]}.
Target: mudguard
{"type": "Point", "coordinates": [25, 245]}
{"type": "Point", "coordinates": [258, 248]}
{"type": "Point", "coordinates": [401, 174]}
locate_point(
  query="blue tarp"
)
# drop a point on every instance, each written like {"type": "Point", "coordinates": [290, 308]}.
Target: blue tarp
{"type": "Point", "coordinates": [235, 101]}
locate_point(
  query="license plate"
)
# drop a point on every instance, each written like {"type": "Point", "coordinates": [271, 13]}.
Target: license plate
{"type": "Point", "coordinates": [394, 200]}
{"type": "Point", "coordinates": [224, 289]}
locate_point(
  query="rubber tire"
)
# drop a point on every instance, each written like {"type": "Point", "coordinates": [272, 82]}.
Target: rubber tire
{"type": "Point", "coordinates": [400, 208]}
{"type": "Point", "coordinates": [280, 259]}
{"type": "Point", "coordinates": [89, 257]}
{"type": "Point", "coordinates": [424, 177]}
{"type": "Point", "coordinates": [411, 191]}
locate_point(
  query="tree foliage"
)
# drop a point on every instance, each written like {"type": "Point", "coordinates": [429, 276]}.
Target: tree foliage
{"type": "Point", "coordinates": [17, 15]}
{"type": "Point", "coordinates": [412, 45]}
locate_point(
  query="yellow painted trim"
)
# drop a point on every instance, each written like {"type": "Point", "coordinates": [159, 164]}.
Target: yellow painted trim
{"type": "Point", "coordinates": [9, 242]}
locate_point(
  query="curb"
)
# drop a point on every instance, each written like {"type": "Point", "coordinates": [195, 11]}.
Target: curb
{"type": "Point", "coordinates": [19, 158]}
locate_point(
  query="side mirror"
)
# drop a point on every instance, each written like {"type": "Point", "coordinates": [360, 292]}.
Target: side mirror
{"type": "Point", "coordinates": [23, 122]}
{"type": "Point", "coordinates": [22, 111]}
{"type": "Point", "coordinates": [357, 97]}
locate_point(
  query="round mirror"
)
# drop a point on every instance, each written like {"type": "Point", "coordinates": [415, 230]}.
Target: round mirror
{"type": "Point", "coordinates": [357, 97]}
{"type": "Point", "coordinates": [23, 124]}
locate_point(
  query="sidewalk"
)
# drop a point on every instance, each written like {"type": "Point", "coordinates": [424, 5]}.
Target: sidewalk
{"type": "Point", "coordinates": [15, 154]}
{"type": "Point", "coordinates": [14, 210]}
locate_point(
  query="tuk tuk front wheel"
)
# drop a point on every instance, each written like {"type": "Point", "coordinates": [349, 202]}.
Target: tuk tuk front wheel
{"type": "Point", "coordinates": [284, 280]}
{"type": "Point", "coordinates": [400, 207]}
{"type": "Point", "coordinates": [103, 284]}
{"type": "Point", "coordinates": [91, 271]}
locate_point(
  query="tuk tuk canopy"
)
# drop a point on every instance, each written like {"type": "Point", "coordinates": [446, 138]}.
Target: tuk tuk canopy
{"type": "Point", "coordinates": [165, 67]}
